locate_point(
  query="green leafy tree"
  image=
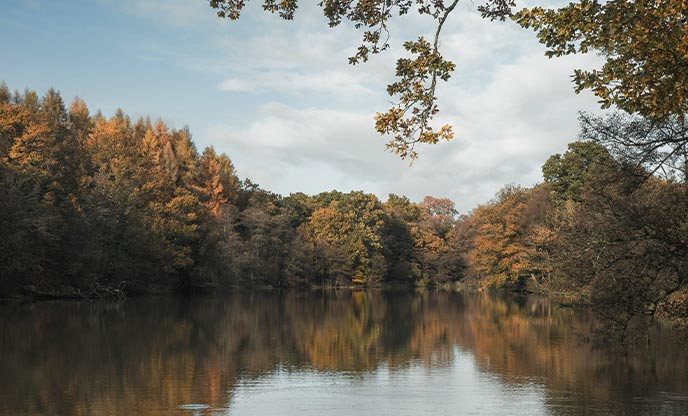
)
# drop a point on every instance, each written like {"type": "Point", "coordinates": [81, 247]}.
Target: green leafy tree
{"type": "Point", "coordinates": [399, 240]}
{"type": "Point", "coordinates": [431, 234]}
{"type": "Point", "coordinates": [567, 174]}
{"type": "Point", "coordinates": [624, 250]}
{"type": "Point", "coordinates": [351, 226]}
{"type": "Point", "coordinates": [29, 227]}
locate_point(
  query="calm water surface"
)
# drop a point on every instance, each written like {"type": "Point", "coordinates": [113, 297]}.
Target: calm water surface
{"type": "Point", "coordinates": [312, 353]}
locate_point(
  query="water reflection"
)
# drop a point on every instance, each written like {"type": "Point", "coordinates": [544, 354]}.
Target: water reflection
{"type": "Point", "coordinates": [334, 353]}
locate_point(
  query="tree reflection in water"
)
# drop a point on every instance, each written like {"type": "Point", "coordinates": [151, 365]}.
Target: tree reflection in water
{"type": "Point", "coordinates": [151, 356]}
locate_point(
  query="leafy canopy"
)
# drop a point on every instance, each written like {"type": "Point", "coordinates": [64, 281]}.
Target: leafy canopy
{"type": "Point", "coordinates": [645, 43]}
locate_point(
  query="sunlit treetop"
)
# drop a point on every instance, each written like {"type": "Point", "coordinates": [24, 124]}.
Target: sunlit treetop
{"type": "Point", "coordinates": [567, 174]}
{"type": "Point", "coordinates": [645, 44]}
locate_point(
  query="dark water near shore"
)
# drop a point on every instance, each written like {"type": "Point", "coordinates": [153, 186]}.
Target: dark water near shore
{"type": "Point", "coordinates": [344, 353]}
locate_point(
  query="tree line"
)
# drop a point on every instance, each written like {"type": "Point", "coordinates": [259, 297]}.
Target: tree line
{"type": "Point", "coordinates": [93, 206]}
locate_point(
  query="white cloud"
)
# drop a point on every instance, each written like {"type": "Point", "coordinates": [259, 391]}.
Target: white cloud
{"type": "Point", "coordinates": [511, 107]}
{"type": "Point", "coordinates": [334, 82]}
{"type": "Point", "coordinates": [505, 131]}
{"type": "Point", "coordinates": [301, 60]}
{"type": "Point", "coordinates": [237, 85]}
{"type": "Point", "coordinates": [299, 138]}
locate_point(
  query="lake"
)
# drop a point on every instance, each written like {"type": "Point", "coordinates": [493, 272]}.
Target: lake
{"type": "Point", "coordinates": [328, 353]}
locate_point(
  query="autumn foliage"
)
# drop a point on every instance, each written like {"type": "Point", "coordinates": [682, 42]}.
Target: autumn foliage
{"type": "Point", "coordinates": [93, 206]}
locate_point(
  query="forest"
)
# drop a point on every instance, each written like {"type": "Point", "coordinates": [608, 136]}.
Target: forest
{"type": "Point", "coordinates": [95, 207]}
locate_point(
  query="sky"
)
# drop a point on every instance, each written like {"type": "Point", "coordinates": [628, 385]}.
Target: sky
{"type": "Point", "coordinates": [279, 98]}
